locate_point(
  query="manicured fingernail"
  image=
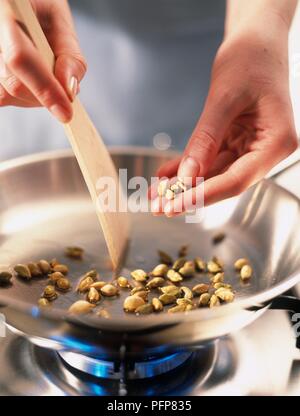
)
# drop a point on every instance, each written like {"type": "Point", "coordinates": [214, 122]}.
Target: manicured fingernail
{"type": "Point", "coordinates": [59, 112]}
{"type": "Point", "coordinates": [189, 168]}
{"type": "Point", "coordinates": [73, 87]}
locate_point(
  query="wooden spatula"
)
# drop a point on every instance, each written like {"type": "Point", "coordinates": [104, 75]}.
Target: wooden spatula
{"type": "Point", "coordinates": [90, 151]}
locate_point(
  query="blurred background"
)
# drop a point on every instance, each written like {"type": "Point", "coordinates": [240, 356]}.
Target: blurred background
{"type": "Point", "coordinates": [148, 74]}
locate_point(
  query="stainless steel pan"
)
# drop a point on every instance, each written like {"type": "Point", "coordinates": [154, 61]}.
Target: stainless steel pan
{"type": "Point", "coordinates": [45, 206]}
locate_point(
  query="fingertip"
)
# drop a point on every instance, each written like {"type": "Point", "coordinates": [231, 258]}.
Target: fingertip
{"type": "Point", "coordinates": [69, 71]}
{"type": "Point", "coordinates": [63, 114]}
{"type": "Point", "coordinates": [168, 210]}
{"type": "Point", "coordinates": [156, 207]}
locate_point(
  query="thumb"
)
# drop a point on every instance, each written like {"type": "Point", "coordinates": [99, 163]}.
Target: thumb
{"type": "Point", "coordinates": [207, 137]}
{"type": "Point", "coordinates": [69, 70]}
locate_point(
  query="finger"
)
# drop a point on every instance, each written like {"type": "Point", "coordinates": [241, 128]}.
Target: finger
{"type": "Point", "coordinates": [169, 169]}
{"type": "Point", "coordinates": [70, 65]}
{"type": "Point", "coordinates": [157, 206]}
{"type": "Point", "coordinates": [14, 87]}
{"type": "Point", "coordinates": [223, 160]}
{"type": "Point", "coordinates": [152, 190]}
{"type": "Point", "coordinates": [6, 100]}
{"type": "Point", "coordinates": [220, 110]}
{"type": "Point", "coordinates": [69, 72]}
{"type": "Point", "coordinates": [24, 61]}
{"type": "Point", "coordinates": [243, 173]}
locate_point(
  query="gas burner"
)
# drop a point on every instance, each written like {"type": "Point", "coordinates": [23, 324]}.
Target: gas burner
{"type": "Point", "coordinates": [149, 367]}
{"type": "Point", "coordinates": [171, 374]}
{"type": "Point", "coordinates": [66, 373]}
{"type": "Point", "coordinates": [260, 359]}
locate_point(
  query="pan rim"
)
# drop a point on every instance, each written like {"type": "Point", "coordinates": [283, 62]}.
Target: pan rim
{"type": "Point", "coordinates": [258, 300]}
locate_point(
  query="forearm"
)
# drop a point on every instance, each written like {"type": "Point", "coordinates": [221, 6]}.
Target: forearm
{"type": "Point", "coordinates": [264, 13]}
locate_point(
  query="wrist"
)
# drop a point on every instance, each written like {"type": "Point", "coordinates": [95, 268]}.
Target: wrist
{"type": "Point", "coordinates": [269, 17]}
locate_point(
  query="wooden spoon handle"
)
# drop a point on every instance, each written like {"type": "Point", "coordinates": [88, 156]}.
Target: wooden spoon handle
{"type": "Point", "coordinates": [90, 151]}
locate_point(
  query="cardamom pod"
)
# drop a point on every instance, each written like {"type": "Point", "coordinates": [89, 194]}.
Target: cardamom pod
{"type": "Point", "coordinates": [93, 295]}
{"type": "Point", "coordinates": [45, 267]}
{"type": "Point", "coordinates": [246, 272]}
{"type": "Point", "coordinates": [50, 293]}
{"type": "Point", "coordinates": [131, 303]}
{"type": "Point", "coordinates": [178, 263]}
{"type": "Point", "coordinates": [63, 284]}
{"type": "Point", "coordinates": [54, 277]}
{"type": "Point", "coordinates": [123, 282]}
{"type": "Point", "coordinates": [144, 309]}
{"type": "Point", "coordinates": [174, 276]}
{"type": "Point", "coordinates": [177, 308]}
{"type": "Point", "coordinates": [164, 257]}
{"type": "Point", "coordinates": [204, 299]}
{"type": "Point", "coordinates": [200, 264]}
{"type": "Point", "coordinates": [200, 288]}
{"type": "Point", "coordinates": [218, 238]}
{"type": "Point", "coordinates": [187, 293]}
{"type": "Point", "coordinates": [139, 275]}
{"type": "Point", "coordinates": [155, 282]}
{"type": "Point", "coordinates": [34, 269]}
{"type": "Point", "coordinates": [98, 285]}
{"type": "Point", "coordinates": [160, 270]}
{"type": "Point", "coordinates": [167, 299]}
{"type": "Point", "coordinates": [84, 284]}
{"type": "Point", "coordinates": [157, 305]}
{"type": "Point", "coordinates": [5, 277]}
{"type": "Point", "coordinates": [74, 252]}
{"type": "Point", "coordinates": [225, 294]}
{"type": "Point", "coordinates": [170, 290]}
{"type": "Point", "coordinates": [62, 268]}
{"type": "Point", "coordinates": [239, 263]}
{"type": "Point", "coordinates": [218, 278]}
{"type": "Point", "coordinates": [42, 302]}
{"type": "Point", "coordinates": [213, 267]}
{"type": "Point", "coordinates": [109, 290]}
{"type": "Point", "coordinates": [188, 269]}
{"type": "Point", "coordinates": [23, 271]}
{"type": "Point", "coordinates": [81, 307]}
{"type": "Point", "coordinates": [214, 301]}
{"type": "Point", "coordinates": [162, 187]}
{"type": "Point", "coordinates": [183, 251]}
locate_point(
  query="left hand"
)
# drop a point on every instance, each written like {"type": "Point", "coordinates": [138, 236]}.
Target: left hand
{"type": "Point", "coordinates": [247, 123]}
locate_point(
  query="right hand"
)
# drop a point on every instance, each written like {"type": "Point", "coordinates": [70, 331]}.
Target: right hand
{"type": "Point", "coordinates": [25, 80]}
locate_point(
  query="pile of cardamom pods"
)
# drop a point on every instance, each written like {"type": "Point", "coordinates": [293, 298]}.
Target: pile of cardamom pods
{"type": "Point", "coordinates": [164, 284]}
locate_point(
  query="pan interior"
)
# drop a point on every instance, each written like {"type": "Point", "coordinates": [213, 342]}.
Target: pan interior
{"type": "Point", "coordinates": [45, 207]}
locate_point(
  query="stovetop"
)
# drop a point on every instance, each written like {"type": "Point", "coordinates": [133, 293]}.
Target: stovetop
{"type": "Point", "coordinates": [261, 359]}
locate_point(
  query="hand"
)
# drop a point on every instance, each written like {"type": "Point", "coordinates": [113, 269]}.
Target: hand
{"type": "Point", "coordinates": [247, 123]}
{"type": "Point", "coordinates": [25, 80]}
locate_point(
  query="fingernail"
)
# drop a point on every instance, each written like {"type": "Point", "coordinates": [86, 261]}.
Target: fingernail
{"type": "Point", "coordinates": [189, 168]}
{"type": "Point", "coordinates": [59, 112]}
{"type": "Point", "coordinates": [73, 87]}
